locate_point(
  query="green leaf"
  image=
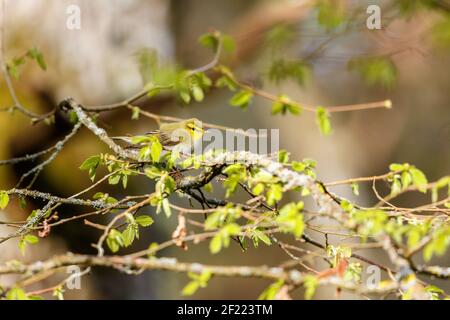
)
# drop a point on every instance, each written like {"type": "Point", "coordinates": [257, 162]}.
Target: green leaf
{"type": "Point", "coordinates": [281, 69]}
{"type": "Point", "coordinates": [283, 156]}
{"type": "Point", "coordinates": [290, 220]}
{"type": "Point", "coordinates": [147, 60]}
{"type": "Point", "coordinates": [25, 240]}
{"type": "Point", "coordinates": [198, 281]}
{"type": "Point", "coordinates": [215, 245]}
{"type": "Point", "coordinates": [13, 67]}
{"type": "Point", "coordinates": [258, 189]}
{"type": "Point", "coordinates": [280, 35]}
{"type": "Point", "coordinates": [152, 172]}
{"type": "Point", "coordinates": [406, 179]}
{"type": "Point", "coordinates": [144, 221]}
{"type": "Point", "coordinates": [208, 187]}
{"type": "Point", "coordinates": [439, 244]}
{"type": "Point", "coordinates": [375, 70]}
{"type": "Point", "coordinates": [271, 291]}
{"type": "Point", "coordinates": [262, 236]}
{"type": "Point", "coordinates": [135, 112]}
{"type": "Point", "coordinates": [22, 202]}
{"type": "Point", "coordinates": [16, 293]}
{"type": "Point", "coordinates": [190, 288]}
{"type": "Point", "coordinates": [114, 240]}
{"type": "Point", "coordinates": [228, 43]}
{"type": "Point", "coordinates": [156, 150]}
{"type": "Point", "coordinates": [140, 139]}
{"type": "Point", "coordinates": [355, 188]}
{"type": "Point", "coordinates": [209, 40]}
{"type": "Point", "coordinates": [31, 239]}
{"type": "Point", "coordinates": [274, 194]}
{"type": "Point", "coordinates": [396, 167]}
{"type": "Point", "coordinates": [346, 205]}
{"type": "Point", "coordinates": [396, 186]}
{"type": "Point", "coordinates": [73, 117]}
{"type": "Point", "coordinates": [197, 93]}
{"type": "Point", "coordinates": [310, 284]}
{"type": "Point", "coordinates": [214, 220]}
{"type": "Point", "coordinates": [114, 179]}
{"type": "Point", "coordinates": [58, 292]}
{"type": "Point", "coordinates": [419, 179]}
{"type": "Point", "coordinates": [36, 55]}
{"type": "Point", "coordinates": [91, 164]}
{"type": "Point", "coordinates": [323, 121]}
{"type": "Point", "coordinates": [241, 99]}
{"type": "Point", "coordinates": [434, 292]}
{"type": "Point", "coordinates": [231, 229]}
{"type": "Point", "coordinates": [298, 166]}
{"type": "Point", "coordinates": [129, 234]}
{"type": "Point", "coordinates": [204, 277]}
{"type": "Point", "coordinates": [166, 207]}
{"type": "Point", "coordinates": [4, 200]}
{"type": "Point", "coordinates": [441, 33]}
{"type": "Point", "coordinates": [284, 104]}
{"type": "Point", "coordinates": [330, 14]}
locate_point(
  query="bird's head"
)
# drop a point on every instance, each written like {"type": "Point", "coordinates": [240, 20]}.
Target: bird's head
{"type": "Point", "coordinates": [194, 127]}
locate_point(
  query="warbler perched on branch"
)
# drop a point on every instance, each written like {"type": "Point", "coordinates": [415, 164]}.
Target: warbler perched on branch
{"type": "Point", "coordinates": [181, 135]}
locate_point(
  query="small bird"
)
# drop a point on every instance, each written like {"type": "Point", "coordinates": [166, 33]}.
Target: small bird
{"type": "Point", "coordinates": [181, 135]}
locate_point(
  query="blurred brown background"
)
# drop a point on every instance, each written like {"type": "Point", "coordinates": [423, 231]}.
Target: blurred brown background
{"type": "Point", "coordinates": [97, 65]}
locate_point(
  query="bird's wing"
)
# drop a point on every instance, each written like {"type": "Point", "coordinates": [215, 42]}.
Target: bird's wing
{"type": "Point", "coordinates": [126, 139]}
{"type": "Point", "coordinates": [167, 140]}
{"type": "Point", "coordinates": [164, 139]}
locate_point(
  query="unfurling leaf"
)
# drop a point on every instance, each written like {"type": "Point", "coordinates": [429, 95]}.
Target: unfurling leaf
{"type": "Point", "coordinates": [375, 70]}
{"type": "Point", "coordinates": [4, 200]}
{"type": "Point", "coordinates": [323, 121]}
{"type": "Point", "coordinates": [36, 55]}
{"type": "Point", "coordinates": [241, 99]}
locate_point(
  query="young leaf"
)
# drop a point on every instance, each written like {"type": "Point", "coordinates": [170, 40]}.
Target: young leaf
{"type": "Point", "coordinates": [135, 112]}
{"type": "Point", "coordinates": [355, 188]}
{"type": "Point", "coordinates": [330, 14]}
{"type": "Point", "coordinates": [241, 99]}
{"type": "Point", "coordinates": [190, 288]}
{"type": "Point", "coordinates": [283, 156]}
{"type": "Point", "coordinates": [166, 207]}
{"type": "Point", "coordinates": [91, 164]}
{"type": "Point", "coordinates": [375, 70]}
{"type": "Point", "coordinates": [323, 121]}
{"type": "Point", "coordinates": [310, 283]}
{"type": "Point", "coordinates": [419, 179]}
{"type": "Point", "coordinates": [144, 221]}
{"type": "Point", "coordinates": [274, 194]}
{"type": "Point", "coordinates": [36, 55]}
{"type": "Point", "coordinates": [129, 234]}
{"type": "Point", "coordinates": [209, 40]}
{"type": "Point", "coordinates": [27, 239]}
{"type": "Point", "coordinates": [283, 105]}
{"type": "Point", "coordinates": [228, 43]}
{"type": "Point", "coordinates": [258, 189]}
{"type": "Point", "coordinates": [114, 240]}
{"type": "Point", "coordinates": [258, 234]}
{"type": "Point", "coordinates": [4, 200]}
{"type": "Point", "coordinates": [156, 150]}
{"type": "Point", "coordinates": [16, 293]}
{"type": "Point", "coordinates": [271, 291]}
{"type": "Point", "coordinates": [215, 244]}
{"type": "Point", "coordinates": [281, 69]}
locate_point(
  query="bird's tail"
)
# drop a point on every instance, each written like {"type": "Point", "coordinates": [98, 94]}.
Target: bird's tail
{"type": "Point", "coordinates": [122, 138]}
